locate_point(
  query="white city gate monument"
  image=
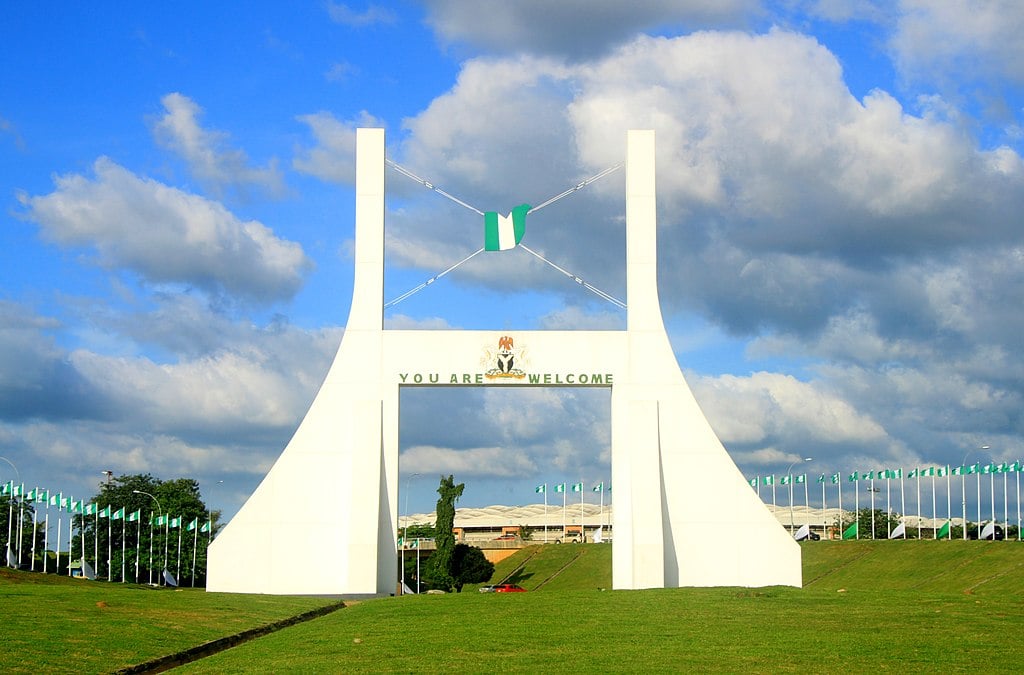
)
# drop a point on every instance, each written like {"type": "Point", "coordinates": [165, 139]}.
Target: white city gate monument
{"type": "Point", "coordinates": [684, 515]}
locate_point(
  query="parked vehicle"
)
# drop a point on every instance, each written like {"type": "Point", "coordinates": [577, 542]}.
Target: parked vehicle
{"type": "Point", "coordinates": [509, 588]}
{"type": "Point", "coordinates": [487, 589]}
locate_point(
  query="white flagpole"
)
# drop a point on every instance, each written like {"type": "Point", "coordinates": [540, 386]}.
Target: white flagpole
{"type": "Point", "coordinates": [935, 515]}
{"type": "Point", "coordinates": [839, 484]}
{"type": "Point", "coordinates": [602, 505]}
{"type": "Point", "coordinates": [167, 534]}
{"type": "Point", "coordinates": [46, 538]}
{"type": "Point", "coordinates": [888, 507]}
{"type": "Point", "coordinates": [177, 575]}
{"type": "Point", "coordinates": [583, 528]}
{"type": "Point", "coordinates": [150, 565]}
{"type": "Point", "coordinates": [110, 547]}
{"type": "Point", "coordinates": [856, 504]}
{"type": "Point", "coordinates": [96, 538]}
{"type": "Point", "coordinates": [545, 513]}
{"type": "Point", "coordinates": [903, 505]}
{"type": "Point", "coordinates": [138, 543]}
{"type": "Point", "coordinates": [824, 507]}
{"type": "Point", "coordinates": [32, 563]}
{"type": "Point", "coordinates": [919, 503]}
{"type": "Point", "coordinates": [1006, 506]}
{"type": "Point", "coordinates": [1019, 467]}
{"type": "Point", "coordinates": [195, 549]}
{"type": "Point", "coordinates": [949, 503]}
{"type": "Point", "coordinates": [124, 545]}
{"type": "Point", "coordinates": [564, 536]}
{"type": "Point", "coordinates": [872, 506]}
{"type": "Point", "coordinates": [59, 523]}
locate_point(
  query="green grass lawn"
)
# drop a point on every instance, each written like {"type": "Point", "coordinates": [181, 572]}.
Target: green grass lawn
{"type": "Point", "coordinates": [57, 624]}
{"type": "Point", "coordinates": [913, 606]}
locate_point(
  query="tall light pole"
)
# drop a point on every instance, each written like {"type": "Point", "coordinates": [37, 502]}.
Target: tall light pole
{"type": "Point", "coordinates": [405, 532]}
{"type": "Point", "coordinates": [161, 511]}
{"type": "Point", "coordinates": [789, 477]}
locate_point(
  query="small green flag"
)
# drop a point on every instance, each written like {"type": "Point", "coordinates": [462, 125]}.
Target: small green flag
{"type": "Point", "coordinates": [577, 487]}
{"type": "Point", "coordinates": [135, 516]}
{"type": "Point", "coordinates": [206, 527]}
{"type": "Point", "coordinates": [193, 525]}
{"type": "Point", "coordinates": [560, 488]}
{"type": "Point", "coordinates": [943, 531]}
{"type": "Point", "coordinates": [104, 513]}
{"type": "Point", "coordinates": [541, 489]}
{"type": "Point", "coordinates": [851, 531]}
{"type": "Point", "coordinates": [174, 522]}
{"type": "Point", "coordinates": [802, 478]}
{"type": "Point", "coordinates": [117, 515]}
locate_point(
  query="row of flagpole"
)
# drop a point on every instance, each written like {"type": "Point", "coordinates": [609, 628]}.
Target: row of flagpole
{"type": "Point", "coordinates": [72, 507]}
{"type": "Point", "coordinates": [888, 475]}
{"type": "Point", "coordinates": [576, 487]}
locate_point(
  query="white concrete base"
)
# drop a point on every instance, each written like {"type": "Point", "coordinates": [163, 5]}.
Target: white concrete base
{"type": "Point", "coordinates": [679, 498]}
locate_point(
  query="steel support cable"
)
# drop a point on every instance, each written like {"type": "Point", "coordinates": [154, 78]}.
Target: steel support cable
{"type": "Point", "coordinates": [579, 186]}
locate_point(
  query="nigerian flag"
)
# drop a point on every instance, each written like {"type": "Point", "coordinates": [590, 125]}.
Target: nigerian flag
{"type": "Point", "coordinates": [560, 488]}
{"type": "Point", "coordinates": [541, 488]}
{"type": "Point", "coordinates": [504, 232]}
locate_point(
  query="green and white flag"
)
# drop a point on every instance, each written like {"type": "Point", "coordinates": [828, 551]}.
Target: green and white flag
{"type": "Point", "coordinates": [65, 503]}
{"type": "Point", "coordinates": [577, 487]}
{"type": "Point", "coordinates": [174, 522]}
{"type": "Point", "coordinates": [76, 506]}
{"type": "Point", "coordinates": [5, 489]}
{"type": "Point", "coordinates": [207, 526]}
{"type": "Point", "coordinates": [599, 487]}
{"type": "Point", "coordinates": [942, 471]}
{"type": "Point", "coordinates": [117, 515]}
{"type": "Point", "coordinates": [835, 479]}
{"type": "Point", "coordinates": [193, 525]}
{"type": "Point", "coordinates": [135, 516]}
{"type": "Point", "coordinates": [854, 477]}
{"type": "Point", "coordinates": [769, 480]}
{"type": "Point", "coordinates": [104, 513]}
{"type": "Point", "coordinates": [821, 478]}
{"type": "Point", "coordinates": [959, 471]}
{"type": "Point", "coordinates": [541, 489]}
{"type": "Point", "coordinates": [560, 488]}
{"type": "Point", "coordinates": [786, 480]}
{"type": "Point", "coordinates": [17, 490]}
{"type": "Point", "coordinates": [801, 479]}
{"type": "Point", "coordinates": [753, 481]}
{"type": "Point", "coordinates": [504, 232]}
{"type": "Point", "coordinates": [158, 521]}
{"type": "Point", "coordinates": [42, 496]}
{"type": "Point", "coordinates": [90, 509]}
{"type": "Point", "coordinates": [31, 496]}
{"type": "Point", "coordinates": [55, 500]}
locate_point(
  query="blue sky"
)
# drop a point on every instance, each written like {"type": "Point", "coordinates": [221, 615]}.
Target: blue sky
{"type": "Point", "coordinates": [840, 183]}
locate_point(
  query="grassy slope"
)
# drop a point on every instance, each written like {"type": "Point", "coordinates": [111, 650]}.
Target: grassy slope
{"type": "Point", "coordinates": [919, 606]}
{"type": "Point", "coordinates": [58, 624]}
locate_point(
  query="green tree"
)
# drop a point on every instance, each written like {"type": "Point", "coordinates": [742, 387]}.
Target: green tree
{"type": "Point", "coordinates": [438, 572]}
{"type": "Point", "coordinates": [469, 566]}
{"type": "Point", "coordinates": [177, 501]}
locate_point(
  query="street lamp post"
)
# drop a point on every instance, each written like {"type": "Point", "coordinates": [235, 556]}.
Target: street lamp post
{"type": "Point", "coordinates": [161, 511]}
{"type": "Point", "coordinates": [789, 477]}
